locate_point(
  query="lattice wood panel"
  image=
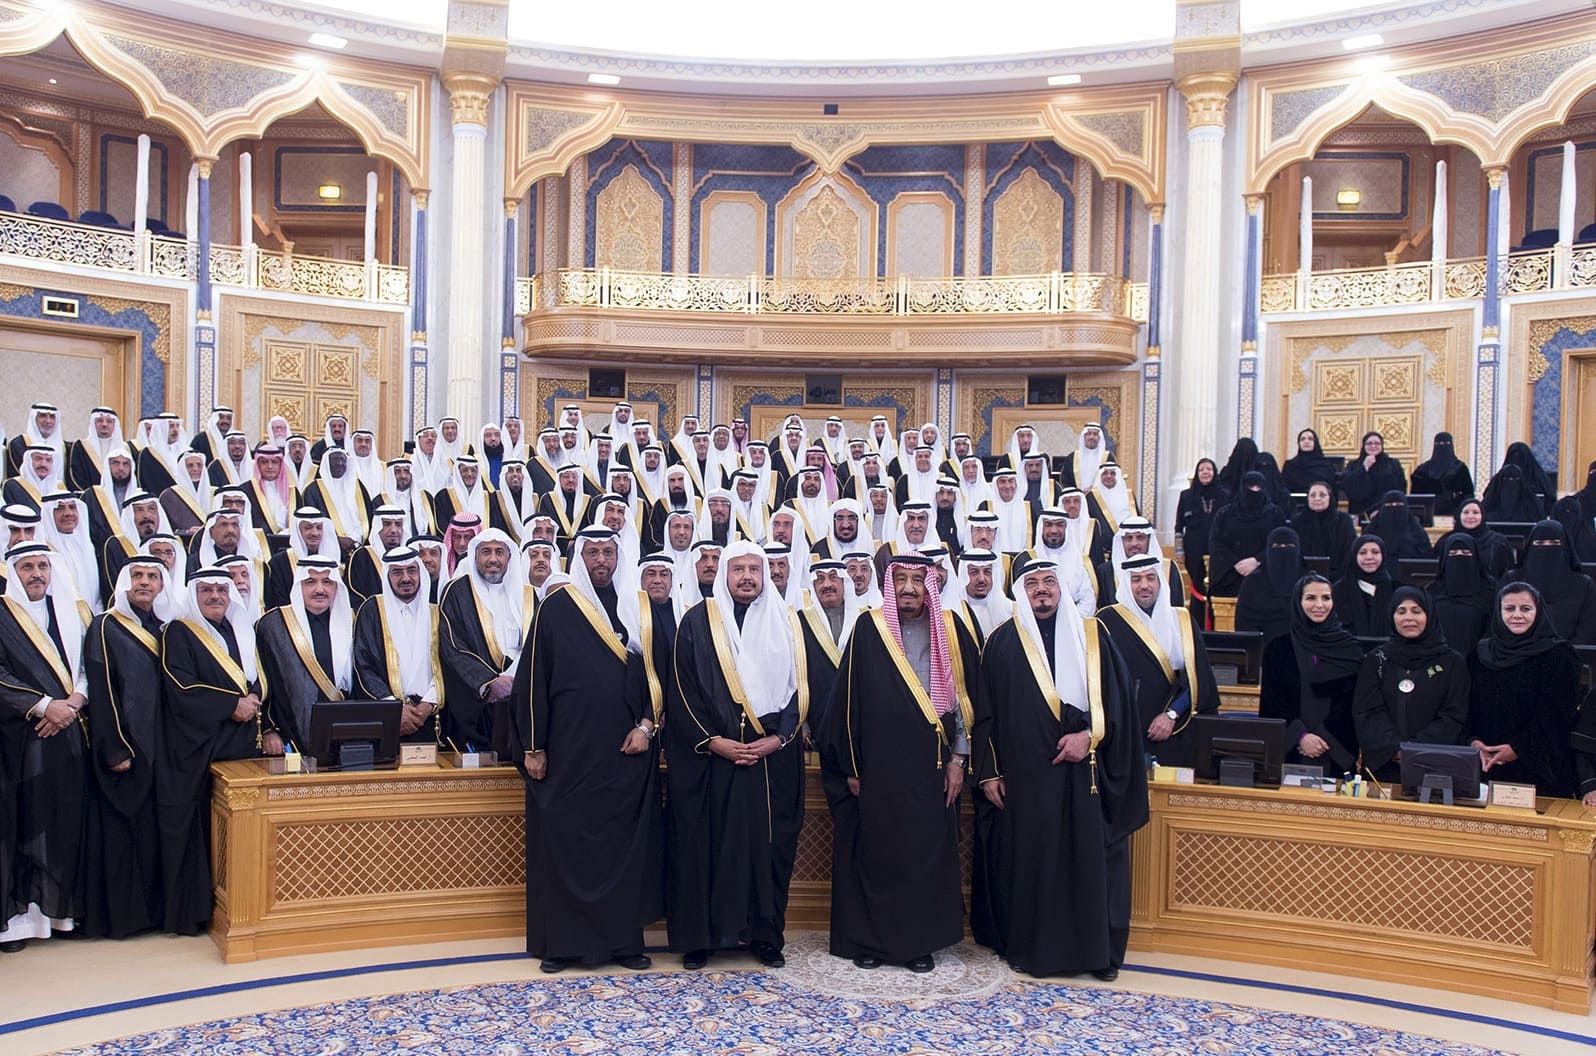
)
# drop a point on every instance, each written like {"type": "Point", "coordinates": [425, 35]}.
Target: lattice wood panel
{"type": "Point", "coordinates": [342, 859]}
{"type": "Point", "coordinates": [1381, 888]}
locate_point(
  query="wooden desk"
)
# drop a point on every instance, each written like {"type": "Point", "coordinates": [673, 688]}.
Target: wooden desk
{"type": "Point", "coordinates": [1238, 700]}
{"type": "Point", "coordinates": [303, 863]}
{"type": "Point", "coordinates": [1457, 898]}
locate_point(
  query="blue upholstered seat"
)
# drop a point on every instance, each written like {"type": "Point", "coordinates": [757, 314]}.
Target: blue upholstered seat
{"type": "Point", "coordinates": [49, 211]}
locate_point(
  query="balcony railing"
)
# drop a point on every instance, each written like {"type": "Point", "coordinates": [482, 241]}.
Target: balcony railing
{"type": "Point", "coordinates": [112, 249]}
{"type": "Point", "coordinates": [1053, 294]}
{"type": "Point", "coordinates": [1425, 282]}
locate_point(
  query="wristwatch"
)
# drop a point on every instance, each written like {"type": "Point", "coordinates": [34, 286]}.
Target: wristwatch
{"type": "Point", "coordinates": [1171, 714]}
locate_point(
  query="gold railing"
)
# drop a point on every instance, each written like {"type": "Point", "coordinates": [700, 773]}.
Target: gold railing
{"type": "Point", "coordinates": [1421, 282]}
{"type": "Point", "coordinates": [113, 249]}
{"type": "Point", "coordinates": [1056, 293]}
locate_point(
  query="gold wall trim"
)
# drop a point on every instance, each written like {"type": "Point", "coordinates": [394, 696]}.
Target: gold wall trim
{"type": "Point", "coordinates": [1120, 129]}
{"type": "Point", "coordinates": [1313, 99]}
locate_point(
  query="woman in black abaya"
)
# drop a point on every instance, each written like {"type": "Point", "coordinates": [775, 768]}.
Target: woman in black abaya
{"type": "Point", "coordinates": [1309, 676]}
{"type": "Point", "coordinates": [1415, 687]}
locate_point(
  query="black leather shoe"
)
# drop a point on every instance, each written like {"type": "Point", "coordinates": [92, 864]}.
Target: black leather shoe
{"type": "Point", "coordinates": [921, 965]}
{"type": "Point", "coordinates": [637, 962]}
{"type": "Point", "coordinates": [693, 960]}
{"type": "Point", "coordinates": [1107, 975]}
{"type": "Point", "coordinates": [865, 961]}
{"type": "Point", "coordinates": [554, 965]}
{"type": "Point", "coordinates": [14, 946]}
{"type": "Point", "coordinates": [769, 956]}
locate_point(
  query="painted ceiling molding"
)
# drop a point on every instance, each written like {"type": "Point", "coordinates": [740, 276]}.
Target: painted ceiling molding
{"type": "Point", "coordinates": [1489, 92]}
{"type": "Point", "coordinates": [228, 87]}
{"type": "Point", "coordinates": [1121, 130]}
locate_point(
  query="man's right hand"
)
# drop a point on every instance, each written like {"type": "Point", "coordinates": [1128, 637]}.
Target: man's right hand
{"type": "Point", "coordinates": [247, 708]}
{"type": "Point", "coordinates": [853, 786]}
{"type": "Point", "coordinates": [995, 790]}
{"type": "Point", "coordinates": [537, 765]}
{"type": "Point", "coordinates": [500, 687]}
{"type": "Point", "coordinates": [730, 750]}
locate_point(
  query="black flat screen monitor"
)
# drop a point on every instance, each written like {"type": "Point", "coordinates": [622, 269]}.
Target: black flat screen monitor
{"type": "Point", "coordinates": [1260, 741]}
{"type": "Point", "coordinates": [336, 723]}
{"type": "Point", "coordinates": [1459, 762]}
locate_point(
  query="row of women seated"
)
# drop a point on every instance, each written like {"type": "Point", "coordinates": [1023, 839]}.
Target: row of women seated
{"type": "Point", "coordinates": [1512, 693]}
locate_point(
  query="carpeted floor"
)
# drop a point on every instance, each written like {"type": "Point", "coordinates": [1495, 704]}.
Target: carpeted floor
{"type": "Point", "coordinates": [972, 1003]}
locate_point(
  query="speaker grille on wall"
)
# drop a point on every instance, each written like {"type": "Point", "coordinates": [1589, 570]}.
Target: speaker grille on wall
{"type": "Point", "coordinates": [606, 384]}
{"type": "Point", "coordinates": [60, 307]}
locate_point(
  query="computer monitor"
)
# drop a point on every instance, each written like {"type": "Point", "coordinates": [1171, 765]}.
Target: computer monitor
{"type": "Point", "coordinates": [1422, 507]}
{"type": "Point", "coordinates": [1236, 656]}
{"type": "Point", "coordinates": [1262, 742]}
{"type": "Point", "coordinates": [354, 734]}
{"type": "Point", "coordinates": [1457, 763]}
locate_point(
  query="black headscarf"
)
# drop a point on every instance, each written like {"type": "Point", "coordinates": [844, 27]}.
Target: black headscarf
{"type": "Point", "coordinates": [1443, 458]}
{"type": "Point", "coordinates": [1282, 563]}
{"type": "Point", "coordinates": [1502, 648]}
{"type": "Point", "coordinates": [1519, 454]}
{"type": "Point", "coordinates": [1509, 497]}
{"type": "Point", "coordinates": [1399, 532]}
{"type": "Point", "coordinates": [1269, 469]}
{"type": "Point", "coordinates": [1587, 494]}
{"type": "Point", "coordinates": [1249, 505]}
{"type": "Point", "coordinates": [1363, 599]}
{"type": "Point", "coordinates": [1429, 646]}
{"type": "Point", "coordinates": [1577, 527]}
{"type": "Point", "coordinates": [1321, 531]}
{"type": "Point", "coordinates": [1460, 575]}
{"type": "Point", "coordinates": [1547, 568]}
{"type": "Point", "coordinates": [1243, 458]}
{"type": "Point", "coordinates": [1325, 651]}
{"type": "Point", "coordinates": [1305, 467]}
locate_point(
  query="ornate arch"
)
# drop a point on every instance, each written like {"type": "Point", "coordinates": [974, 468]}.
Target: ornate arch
{"type": "Point", "coordinates": [227, 87]}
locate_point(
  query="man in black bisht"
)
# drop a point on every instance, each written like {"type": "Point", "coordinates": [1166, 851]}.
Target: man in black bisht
{"type": "Point", "coordinates": [899, 718]}
{"type": "Point", "coordinates": [591, 798]}
{"type": "Point", "coordinates": [1058, 750]}
{"type": "Point", "coordinates": [42, 689]}
{"type": "Point", "coordinates": [483, 617]}
{"type": "Point", "coordinates": [305, 652]}
{"type": "Point", "coordinates": [212, 690]}
{"type": "Point", "coordinates": [742, 694]}
{"type": "Point", "coordinates": [396, 646]}
{"type": "Point", "coordinates": [122, 659]}
{"type": "Point", "coordinates": [1164, 656]}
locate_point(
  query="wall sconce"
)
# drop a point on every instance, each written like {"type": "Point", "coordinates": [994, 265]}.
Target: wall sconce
{"type": "Point", "coordinates": [1348, 198]}
{"type": "Point", "coordinates": [331, 192]}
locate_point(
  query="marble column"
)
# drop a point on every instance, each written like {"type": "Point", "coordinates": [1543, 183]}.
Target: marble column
{"type": "Point", "coordinates": [1247, 365]}
{"type": "Point", "coordinates": [509, 360]}
{"type": "Point", "coordinates": [1488, 353]}
{"type": "Point", "coordinates": [468, 104]}
{"type": "Point", "coordinates": [418, 314]}
{"type": "Point", "coordinates": [1197, 364]}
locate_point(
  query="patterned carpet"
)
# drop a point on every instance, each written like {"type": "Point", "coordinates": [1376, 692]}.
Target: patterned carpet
{"type": "Point", "coordinates": [818, 1004]}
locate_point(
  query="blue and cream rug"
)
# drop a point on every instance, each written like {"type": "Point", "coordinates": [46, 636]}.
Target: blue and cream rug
{"type": "Point", "coordinates": [972, 1003]}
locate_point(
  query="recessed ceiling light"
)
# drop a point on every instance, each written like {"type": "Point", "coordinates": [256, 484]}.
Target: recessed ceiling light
{"type": "Point", "coordinates": [327, 40]}
{"type": "Point", "coordinates": [603, 78]}
{"type": "Point", "coordinates": [1367, 40]}
{"type": "Point", "coordinates": [54, 81]}
{"type": "Point", "coordinates": [1059, 80]}
{"type": "Point", "coordinates": [330, 192]}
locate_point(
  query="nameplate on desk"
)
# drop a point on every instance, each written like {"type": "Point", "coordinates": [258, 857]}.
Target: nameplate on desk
{"type": "Point", "coordinates": [478, 760]}
{"type": "Point", "coordinates": [418, 755]}
{"type": "Point", "coordinates": [1173, 775]}
{"type": "Point", "coordinates": [1515, 797]}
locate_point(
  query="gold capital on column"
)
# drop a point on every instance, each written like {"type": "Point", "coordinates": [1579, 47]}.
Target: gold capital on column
{"type": "Point", "coordinates": [1493, 177]}
{"type": "Point", "coordinates": [420, 198]}
{"type": "Point", "coordinates": [1207, 95]}
{"type": "Point", "coordinates": [203, 166]}
{"type": "Point", "coordinates": [509, 208]}
{"type": "Point", "coordinates": [468, 97]}
{"type": "Point", "coordinates": [1155, 213]}
{"type": "Point", "coordinates": [1254, 204]}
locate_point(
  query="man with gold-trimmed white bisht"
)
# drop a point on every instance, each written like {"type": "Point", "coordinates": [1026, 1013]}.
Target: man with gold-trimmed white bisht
{"type": "Point", "coordinates": [587, 747]}
{"type": "Point", "coordinates": [1163, 648]}
{"type": "Point", "coordinates": [43, 687]}
{"type": "Point", "coordinates": [396, 645]}
{"type": "Point", "coordinates": [1058, 753]}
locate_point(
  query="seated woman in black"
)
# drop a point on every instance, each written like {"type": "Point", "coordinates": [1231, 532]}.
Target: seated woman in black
{"type": "Point", "coordinates": [1509, 500]}
{"type": "Point", "coordinates": [1194, 519]}
{"type": "Point", "coordinates": [1443, 475]}
{"type": "Point", "coordinates": [1567, 593]}
{"type": "Point", "coordinates": [1371, 475]}
{"type": "Point", "coordinates": [1308, 680]}
{"type": "Point", "coordinates": [1396, 526]}
{"type": "Point", "coordinates": [1240, 531]}
{"type": "Point", "coordinates": [1264, 603]}
{"type": "Point", "coordinates": [1521, 699]}
{"type": "Point", "coordinates": [1491, 546]}
{"type": "Point", "coordinates": [1323, 530]}
{"type": "Point", "coordinates": [1415, 687]}
{"type": "Point", "coordinates": [1363, 595]}
{"type": "Point", "coordinates": [1243, 460]}
{"type": "Point", "coordinates": [1309, 464]}
{"type": "Point", "coordinates": [1587, 494]}
{"type": "Point", "coordinates": [1577, 528]}
{"type": "Point", "coordinates": [1462, 593]}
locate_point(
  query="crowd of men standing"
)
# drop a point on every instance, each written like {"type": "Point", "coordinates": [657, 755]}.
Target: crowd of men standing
{"type": "Point", "coordinates": [584, 601]}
